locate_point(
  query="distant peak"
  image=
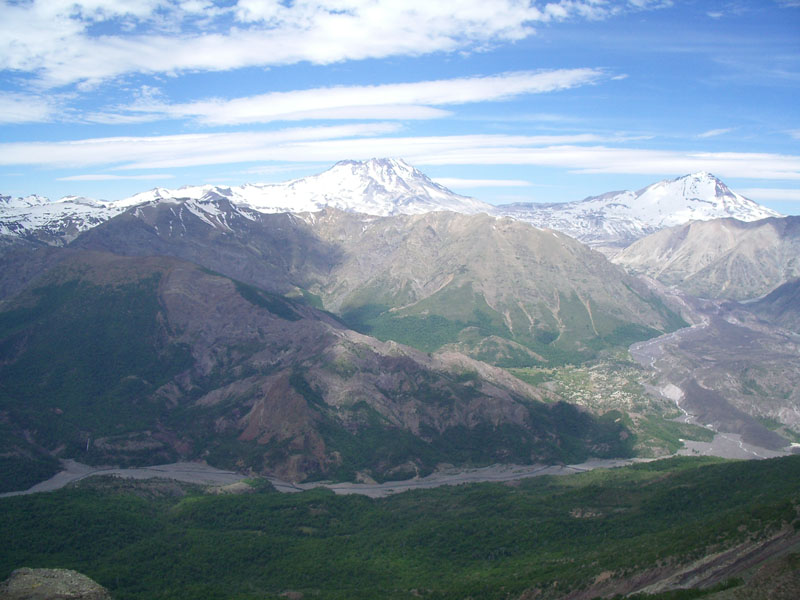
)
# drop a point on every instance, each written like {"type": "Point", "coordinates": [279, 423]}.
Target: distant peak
{"type": "Point", "coordinates": [700, 175]}
{"type": "Point", "coordinates": [392, 163]}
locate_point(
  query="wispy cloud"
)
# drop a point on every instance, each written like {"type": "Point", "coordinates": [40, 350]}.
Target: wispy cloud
{"type": "Point", "coordinates": [455, 182]}
{"type": "Point", "coordinates": [25, 108]}
{"type": "Point", "coordinates": [585, 153]}
{"type": "Point", "coordinates": [714, 133]}
{"type": "Point", "coordinates": [90, 41]}
{"type": "Point", "coordinates": [772, 194]}
{"type": "Point", "coordinates": [399, 101]}
{"type": "Point", "coordinates": [110, 177]}
{"type": "Point", "coordinates": [177, 150]}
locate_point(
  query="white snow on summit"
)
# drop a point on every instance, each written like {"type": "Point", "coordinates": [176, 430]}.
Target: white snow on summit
{"type": "Point", "coordinates": [619, 218]}
{"type": "Point", "coordinates": [55, 223]}
{"type": "Point", "coordinates": [385, 187]}
{"type": "Point", "coordinates": [379, 187]}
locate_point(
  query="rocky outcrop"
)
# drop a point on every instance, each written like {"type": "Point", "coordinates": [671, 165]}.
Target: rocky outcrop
{"type": "Point", "coordinates": [51, 584]}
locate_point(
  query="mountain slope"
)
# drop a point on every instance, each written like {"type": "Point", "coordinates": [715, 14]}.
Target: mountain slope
{"type": "Point", "coordinates": [385, 187]}
{"type": "Point", "coordinates": [500, 290]}
{"type": "Point", "coordinates": [723, 258]}
{"type": "Point", "coordinates": [618, 218]}
{"type": "Point", "coordinates": [781, 306]}
{"type": "Point", "coordinates": [109, 359]}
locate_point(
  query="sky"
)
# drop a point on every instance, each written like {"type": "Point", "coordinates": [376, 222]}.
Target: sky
{"type": "Point", "coordinates": [503, 100]}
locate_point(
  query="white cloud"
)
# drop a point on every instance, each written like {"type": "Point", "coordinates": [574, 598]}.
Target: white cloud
{"type": "Point", "coordinates": [714, 133]}
{"type": "Point", "coordinates": [604, 159]}
{"type": "Point", "coordinates": [403, 101]}
{"type": "Point", "coordinates": [109, 177]}
{"type": "Point", "coordinates": [58, 40]}
{"type": "Point", "coordinates": [179, 150]}
{"type": "Point", "coordinates": [455, 182]}
{"type": "Point", "coordinates": [578, 153]}
{"type": "Point", "coordinates": [25, 108]}
{"type": "Point", "coordinates": [772, 194]}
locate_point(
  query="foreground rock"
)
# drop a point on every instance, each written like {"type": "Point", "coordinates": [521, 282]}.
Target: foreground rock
{"type": "Point", "coordinates": [51, 584]}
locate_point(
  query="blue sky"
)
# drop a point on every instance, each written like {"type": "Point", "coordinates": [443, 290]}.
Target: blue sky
{"type": "Point", "coordinates": [504, 100]}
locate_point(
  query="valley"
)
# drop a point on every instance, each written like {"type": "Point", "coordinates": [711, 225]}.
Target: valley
{"type": "Point", "coordinates": [307, 340]}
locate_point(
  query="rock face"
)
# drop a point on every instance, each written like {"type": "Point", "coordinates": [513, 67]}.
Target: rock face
{"type": "Point", "coordinates": [51, 584]}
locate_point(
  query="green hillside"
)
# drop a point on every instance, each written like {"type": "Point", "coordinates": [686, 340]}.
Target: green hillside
{"type": "Point", "coordinates": [542, 536]}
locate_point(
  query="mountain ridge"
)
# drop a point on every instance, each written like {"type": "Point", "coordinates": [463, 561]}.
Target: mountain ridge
{"type": "Point", "coordinates": [385, 187]}
{"type": "Point", "coordinates": [429, 278]}
{"type": "Point", "coordinates": [722, 258]}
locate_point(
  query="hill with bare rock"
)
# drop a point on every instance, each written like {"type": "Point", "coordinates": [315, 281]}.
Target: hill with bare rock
{"type": "Point", "coordinates": [147, 360]}
{"type": "Point", "coordinates": [51, 584]}
{"type": "Point", "coordinates": [499, 289]}
{"type": "Point", "coordinates": [723, 258]}
{"type": "Point", "coordinates": [781, 306]}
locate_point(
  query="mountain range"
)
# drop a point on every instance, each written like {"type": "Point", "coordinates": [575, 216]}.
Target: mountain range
{"type": "Point", "coordinates": [616, 219]}
{"type": "Point", "coordinates": [351, 324]}
{"type": "Point", "coordinates": [386, 187]}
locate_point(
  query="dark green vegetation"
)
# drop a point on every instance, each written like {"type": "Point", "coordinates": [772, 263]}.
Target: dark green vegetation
{"type": "Point", "coordinates": [557, 433]}
{"type": "Point", "coordinates": [158, 541]}
{"type": "Point", "coordinates": [78, 361]}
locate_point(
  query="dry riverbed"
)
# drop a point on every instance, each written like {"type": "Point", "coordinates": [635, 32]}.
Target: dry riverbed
{"type": "Point", "coordinates": [203, 474]}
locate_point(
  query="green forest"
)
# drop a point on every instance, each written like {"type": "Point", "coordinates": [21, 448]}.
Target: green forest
{"type": "Point", "coordinates": [160, 540]}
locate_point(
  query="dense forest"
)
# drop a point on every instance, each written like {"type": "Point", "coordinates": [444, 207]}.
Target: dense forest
{"type": "Point", "coordinates": [542, 536]}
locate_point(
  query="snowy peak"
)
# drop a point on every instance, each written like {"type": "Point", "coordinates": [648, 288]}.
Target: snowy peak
{"type": "Point", "coordinates": [616, 219]}
{"type": "Point", "coordinates": [9, 203]}
{"type": "Point", "coordinates": [53, 222]}
{"type": "Point", "coordinates": [380, 187]}
{"type": "Point", "coordinates": [695, 197]}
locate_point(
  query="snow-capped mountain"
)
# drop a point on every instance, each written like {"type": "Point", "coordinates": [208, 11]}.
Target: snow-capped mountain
{"type": "Point", "coordinates": [381, 187]}
{"type": "Point", "coordinates": [386, 187]}
{"type": "Point", "coordinates": [56, 223]}
{"type": "Point", "coordinates": [619, 218]}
